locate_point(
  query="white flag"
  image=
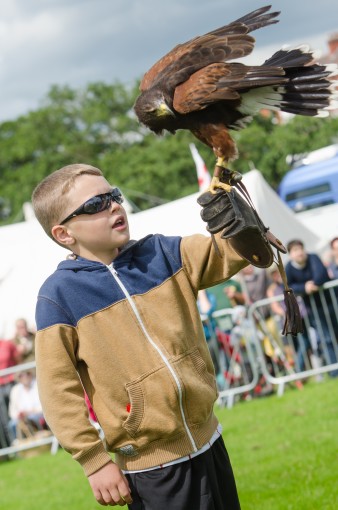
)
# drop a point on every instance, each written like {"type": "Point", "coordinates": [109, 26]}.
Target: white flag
{"type": "Point", "coordinates": [203, 175]}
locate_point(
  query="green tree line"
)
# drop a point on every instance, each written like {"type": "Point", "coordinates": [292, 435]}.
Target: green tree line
{"type": "Point", "coordinates": [96, 125]}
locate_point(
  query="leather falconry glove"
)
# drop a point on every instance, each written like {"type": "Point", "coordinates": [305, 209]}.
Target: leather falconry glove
{"type": "Point", "coordinates": [233, 213]}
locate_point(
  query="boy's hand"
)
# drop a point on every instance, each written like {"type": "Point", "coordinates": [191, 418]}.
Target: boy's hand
{"type": "Point", "coordinates": [110, 486]}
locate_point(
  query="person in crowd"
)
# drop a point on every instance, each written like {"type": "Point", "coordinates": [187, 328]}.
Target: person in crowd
{"type": "Point", "coordinates": [9, 357]}
{"type": "Point", "coordinates": [306, 274]}
{"type": "Point", "coordinates": [228, 295]}
{"type": "Point", "coordinates": [24, 339]}
{"type": "Point", "coordinates": [305, 349]}
{"type": "Point", "coordinates": [206, 303]}
{"type": "Point", "coordinates": [255, 282]}
{"type": "Point", "coordinates": [25, 405]}
{"type": "Point", "coordinates": [332, 267]}
{"type": "Point", "coordinates": [119, 319]}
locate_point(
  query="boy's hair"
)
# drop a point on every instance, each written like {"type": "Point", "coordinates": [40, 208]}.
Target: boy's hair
{"type": "Point", "coordinates": [293, 243]}
{"type": "Point", "coordinates": [49, 198]}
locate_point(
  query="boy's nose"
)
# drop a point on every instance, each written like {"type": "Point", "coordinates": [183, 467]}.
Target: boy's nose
{"type": "Point", "coordinates": [114, 206]}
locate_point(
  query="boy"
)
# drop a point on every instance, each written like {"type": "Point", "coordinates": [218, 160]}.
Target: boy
{"type": "Point", "coordinates": [119, 320]}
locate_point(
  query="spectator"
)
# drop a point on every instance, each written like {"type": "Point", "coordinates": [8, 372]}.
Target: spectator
{"type": "Point", "coordinates": [301, 344]}
{"type": "Point", "coordinates": [24, 404]}
{"type": "Point", "coordinates": [228, 295]}
{"type": "Point", "coordinates": [206, 303]}
{"type": "Point", "coordinates": [24, 339]}
{"type": "Point", "coordinates": [9, 357]}
{"type": "Point", "coordinates": [306, 273]}
{"type": "Point", "coordinates": [255, 284]}
{"type": "Point", "coordinates": [332, 267]}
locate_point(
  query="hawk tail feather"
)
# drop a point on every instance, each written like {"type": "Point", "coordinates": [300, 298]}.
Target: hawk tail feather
{"type": "Point", "coordinates": [309, 89]}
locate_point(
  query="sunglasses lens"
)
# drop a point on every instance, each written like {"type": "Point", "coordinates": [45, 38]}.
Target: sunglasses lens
{"type": "Point", "coordinates": [117, 195]}
{"type": "Point", "coordinates": [96, 204]}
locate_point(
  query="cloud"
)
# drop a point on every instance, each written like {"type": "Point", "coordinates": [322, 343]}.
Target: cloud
{"type": "Point", "coordinates": [45, 42]}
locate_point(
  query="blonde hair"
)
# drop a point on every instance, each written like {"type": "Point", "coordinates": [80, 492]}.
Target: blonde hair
{"type": "Point", "coordinates": [49, 198]}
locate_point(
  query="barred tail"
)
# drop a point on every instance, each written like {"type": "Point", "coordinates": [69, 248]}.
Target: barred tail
{"type": "Point", "coordinates": [309, 88]}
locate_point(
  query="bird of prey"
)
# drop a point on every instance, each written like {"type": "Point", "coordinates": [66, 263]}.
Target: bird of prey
{"type": "Point", "coordinates": [198, 87]}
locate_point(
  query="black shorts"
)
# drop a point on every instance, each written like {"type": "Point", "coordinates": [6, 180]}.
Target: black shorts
{"type": "Point", "coordinates": [206, 482]}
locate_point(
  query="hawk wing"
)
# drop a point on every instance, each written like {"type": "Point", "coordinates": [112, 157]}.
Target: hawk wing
{"type": "Point", "coordinates": [223, 44]}
{"type": "Point", "coordinates": [222, 82]}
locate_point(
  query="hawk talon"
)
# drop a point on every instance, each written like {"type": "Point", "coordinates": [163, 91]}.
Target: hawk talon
{"type": "Point", "coordinates": [217, 184]}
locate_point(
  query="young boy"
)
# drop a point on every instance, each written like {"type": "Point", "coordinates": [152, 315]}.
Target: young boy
{"type": "Point", "coordinates": [119, 320]}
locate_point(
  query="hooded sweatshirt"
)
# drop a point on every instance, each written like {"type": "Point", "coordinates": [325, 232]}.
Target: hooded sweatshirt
{"type": "Point", "coordinates": [130, 335]}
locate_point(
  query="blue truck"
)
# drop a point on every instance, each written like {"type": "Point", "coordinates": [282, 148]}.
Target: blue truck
{"type": "Point", "coordinates": [313, 181]}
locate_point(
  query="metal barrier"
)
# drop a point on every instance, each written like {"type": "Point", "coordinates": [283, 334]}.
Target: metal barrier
{"type": "Point", "coordinates": [237, 371]}
{"type": "Point", "coordinates": [313, 353]}
{"type": "Point", "coordinates": [265, 352]}
{"type": "Point", "coordinates": [13, 450]}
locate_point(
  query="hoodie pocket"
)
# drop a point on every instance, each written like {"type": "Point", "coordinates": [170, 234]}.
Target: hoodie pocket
{"type": "Point", "coordinates": [154, 406]}
{"type": "Point", "coordinates": [199, 386]}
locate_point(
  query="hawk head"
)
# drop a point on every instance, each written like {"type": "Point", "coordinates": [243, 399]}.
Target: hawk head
{"type": "Point", "coordinates": [153, 111]}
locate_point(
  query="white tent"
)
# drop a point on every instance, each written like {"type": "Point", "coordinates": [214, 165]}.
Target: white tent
{"type": "Point", "coordinates": [28, 256]}
{"type": "Point", "coordinates": [182, 217]}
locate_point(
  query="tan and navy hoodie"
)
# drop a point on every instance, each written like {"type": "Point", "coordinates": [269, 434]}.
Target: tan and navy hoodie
{"type": "Point", "coordinates": [130, 334]}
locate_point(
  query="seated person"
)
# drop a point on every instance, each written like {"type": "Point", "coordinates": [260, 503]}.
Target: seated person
{"type": "Point", "coordinates": [24, 404]}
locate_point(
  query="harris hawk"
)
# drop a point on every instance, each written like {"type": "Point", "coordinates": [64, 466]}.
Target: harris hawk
{"type": "Point", "coordinates": [198, 87]}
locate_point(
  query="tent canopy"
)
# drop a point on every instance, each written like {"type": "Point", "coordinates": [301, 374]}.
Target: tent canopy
{"type": "Point", "coordinates": [182, 217]}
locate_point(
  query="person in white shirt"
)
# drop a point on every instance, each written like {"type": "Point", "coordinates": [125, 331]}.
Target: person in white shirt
{"type": "Point", "coordinates": [24, 404]}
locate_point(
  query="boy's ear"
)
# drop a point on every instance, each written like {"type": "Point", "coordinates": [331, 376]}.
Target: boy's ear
{"type": "Point", "coordinates": [62, 236]}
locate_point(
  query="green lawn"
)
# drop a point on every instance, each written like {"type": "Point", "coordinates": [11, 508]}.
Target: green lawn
{"type": "Point", "coordinates": [284, 453]}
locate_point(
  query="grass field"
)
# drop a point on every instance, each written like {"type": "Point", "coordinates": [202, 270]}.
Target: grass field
{"type": "Point", "coordinates": [284, 453]}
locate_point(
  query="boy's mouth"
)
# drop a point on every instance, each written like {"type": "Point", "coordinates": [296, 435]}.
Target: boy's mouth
{"type": "Point", "coordinates": [119, 222]}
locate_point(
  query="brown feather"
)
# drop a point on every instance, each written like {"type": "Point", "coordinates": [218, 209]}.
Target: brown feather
{"type": "Point", "coordinates": [201, 89]}
{"type": "Point", "coordinates": [233, 34]}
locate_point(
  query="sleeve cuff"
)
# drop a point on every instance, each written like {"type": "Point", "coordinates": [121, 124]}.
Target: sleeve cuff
{"type": "Point", "coordinates": [94, 459]}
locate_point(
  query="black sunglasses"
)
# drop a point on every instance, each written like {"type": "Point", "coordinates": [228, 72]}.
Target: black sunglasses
{"type": "Point", "coordinates": [96, 204]}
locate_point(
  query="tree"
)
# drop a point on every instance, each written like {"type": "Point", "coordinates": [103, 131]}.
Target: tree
{"type": "Point", "coordinates": [97, 125]}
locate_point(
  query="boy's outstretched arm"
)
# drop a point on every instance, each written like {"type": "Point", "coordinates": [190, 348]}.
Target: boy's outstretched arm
{"type": "Point", "coordinates": [110, 486]}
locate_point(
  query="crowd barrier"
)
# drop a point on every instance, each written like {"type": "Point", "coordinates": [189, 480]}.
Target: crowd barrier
{"type": "Point", "coordinates": [314, 352]}
{"type": "Point", "coordinates": [33, 443]}
{"type": "Point", "coordinates": [248, 347]}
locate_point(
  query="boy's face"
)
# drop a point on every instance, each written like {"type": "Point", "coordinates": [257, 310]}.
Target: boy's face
{"type": "Point", "coordinates": [93, 236]}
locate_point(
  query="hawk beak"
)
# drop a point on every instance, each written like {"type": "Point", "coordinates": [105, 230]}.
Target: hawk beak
{"type": "Point", "coordinates": [163, 110]}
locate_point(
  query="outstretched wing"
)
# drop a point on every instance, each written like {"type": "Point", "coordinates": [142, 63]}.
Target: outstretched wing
{"type": "Point", "coordinates": [222, 82]}
{"type": "Point", "coordinates": [223, 44]}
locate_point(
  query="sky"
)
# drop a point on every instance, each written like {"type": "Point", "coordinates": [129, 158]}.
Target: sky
{"type": "Point", "coordinates": [76, 42]}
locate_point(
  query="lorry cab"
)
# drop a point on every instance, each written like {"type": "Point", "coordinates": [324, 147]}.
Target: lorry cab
{"type": "Point", "coordinates": [313, 181]}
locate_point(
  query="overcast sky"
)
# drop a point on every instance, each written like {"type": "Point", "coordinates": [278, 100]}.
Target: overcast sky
{"type": "Point", "coordinates": [45, 42]}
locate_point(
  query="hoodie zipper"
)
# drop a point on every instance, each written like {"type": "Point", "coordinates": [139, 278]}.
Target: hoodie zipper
{"type": "Point", "coordinates": [156, 347]}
